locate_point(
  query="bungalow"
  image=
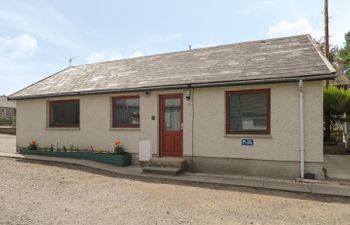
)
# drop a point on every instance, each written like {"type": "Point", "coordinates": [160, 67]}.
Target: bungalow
{"type": "Point", "coordinates": [252, 108]}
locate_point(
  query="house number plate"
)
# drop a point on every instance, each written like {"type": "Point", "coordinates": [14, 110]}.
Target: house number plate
{"type": "Point", "coordinates": [247, 142]}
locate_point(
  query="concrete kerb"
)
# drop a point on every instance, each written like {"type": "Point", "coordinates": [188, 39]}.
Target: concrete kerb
{"type": "Point", "coordinates": [192, 178]}
{"type": "Point", "coordinates": [287, 186]}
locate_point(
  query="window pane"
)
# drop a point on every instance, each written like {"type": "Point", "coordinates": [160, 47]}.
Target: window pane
{"type": "Point", "coordinates": [127, 112]}
{"type": "Point", "coordinates": [65, 113]}
{"type": "Point", "coordinates": [248, 111]}
{"type": "Point", "coordinates": [172, 114]}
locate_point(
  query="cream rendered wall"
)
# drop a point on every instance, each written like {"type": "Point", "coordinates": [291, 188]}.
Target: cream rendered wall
{"type": "Point", "coordinates": [283, 143]}
{"type": "Point", "coordinates": [209, 124]}
{"type": "Point", "coordinates": [95, 123]}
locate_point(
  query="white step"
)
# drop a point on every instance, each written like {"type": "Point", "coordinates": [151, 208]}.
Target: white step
{"type": "Point", "coordinates": [166, 166]}
{"type": "Point", "coordinates": [168, 162]}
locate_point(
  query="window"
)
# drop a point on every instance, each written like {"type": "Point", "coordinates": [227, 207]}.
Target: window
{"type": "Point", "coordinates": [172, 114]}
{"type": "Point", "coordinates": [248, 112]}
{"type": "Point", "coordinates": [126, 111]}
{"type": "Point", "coordinates": [64, 113]}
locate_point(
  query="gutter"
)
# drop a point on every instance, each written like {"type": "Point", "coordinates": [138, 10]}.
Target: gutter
{"type": "Point", "coordinates": [181, 86]}
{"type": "Point", "coordinates": [266, 81]}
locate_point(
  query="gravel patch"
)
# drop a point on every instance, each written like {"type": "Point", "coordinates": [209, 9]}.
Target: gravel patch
{"type": "Point", "coordinates": [53, 193]}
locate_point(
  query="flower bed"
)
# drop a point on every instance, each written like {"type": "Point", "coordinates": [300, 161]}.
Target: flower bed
{"type": "Point", "coordinates": [110, 158]}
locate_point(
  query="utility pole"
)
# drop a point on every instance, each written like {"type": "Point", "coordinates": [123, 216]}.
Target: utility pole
{"type": "Point", "coordinates": [326, 30]}
{"type": "Point", "coordinates": [326, 34]}
{"type": "Point", "coordinates": [326, 54]}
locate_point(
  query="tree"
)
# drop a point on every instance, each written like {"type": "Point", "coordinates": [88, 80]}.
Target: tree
{"type": "Point", "coordinates": [344, 54]}
{"type": "Point", "coordinates": [333, 52]}
{"type": "Point", "coordinates": [336, 103]}
{"type": "Point", "coordinates": [335, 100]}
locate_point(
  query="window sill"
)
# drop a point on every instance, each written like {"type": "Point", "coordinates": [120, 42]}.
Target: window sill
{"type": "Point", "coordinates": [62, 128]}
{"type": "Point", "coordinates": [125, 129]}
{"type": "Point", "coordinates": [268, 136]}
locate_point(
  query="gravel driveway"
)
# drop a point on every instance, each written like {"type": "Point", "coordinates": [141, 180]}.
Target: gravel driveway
{"type": "Point", "coordinates": [38, 193]}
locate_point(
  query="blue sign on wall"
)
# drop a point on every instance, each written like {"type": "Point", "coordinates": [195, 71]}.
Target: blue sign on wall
{"type": "Point", "coordinates": [247, 142]}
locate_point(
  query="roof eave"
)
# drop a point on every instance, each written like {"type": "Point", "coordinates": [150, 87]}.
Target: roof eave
{"type": "Point", "coordinates": [324, 59]}
{"type": "Point", "coordinates": [328, 76]}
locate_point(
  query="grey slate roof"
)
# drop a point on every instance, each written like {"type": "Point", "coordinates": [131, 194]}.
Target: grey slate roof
{"type": "Point", "coordinates": [5, 103]}
{"type": "Point", "coordinates": [258, 61]}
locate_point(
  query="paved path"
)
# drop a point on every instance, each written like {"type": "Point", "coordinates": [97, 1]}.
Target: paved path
{"type": "Point", "coordinates": [7, 143]}
{"type": "Point", "coordinates": [337, 166]}
{"type": "Point", "coordinates": [54, 193]}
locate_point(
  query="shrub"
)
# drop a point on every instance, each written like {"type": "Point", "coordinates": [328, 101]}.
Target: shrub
{"type": "Point", "coordinates": [100, 150]}
{"type": "Point", "coordinates": [336, 101]}
{"type": "Point", "coordinates": [33, 145]}
{"type": "Point", "coordinates": [5, 121]}
{"type": "Point", "coordinates": [119, 149]}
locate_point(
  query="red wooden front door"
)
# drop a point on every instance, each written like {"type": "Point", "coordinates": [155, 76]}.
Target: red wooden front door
{"type": "Point", "coordinates": [170, 122]}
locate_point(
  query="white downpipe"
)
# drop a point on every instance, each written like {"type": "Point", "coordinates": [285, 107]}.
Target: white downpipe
{"type": "Point", "coordinates": [301, 120]}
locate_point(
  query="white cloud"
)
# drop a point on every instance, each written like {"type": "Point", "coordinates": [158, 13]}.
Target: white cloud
{"type": "Point", "coordinates": [96, 57]}
{"type": "Point", "coordinates": [104, 56]}
{"type": "Point", "coordinates": [287, 28]}
{"type": "Point", "coordinates": [20, 46]}
{"type": "Point", "coordinates": [135, 54]}
{"type": "Point", "coordinates": [115, 56]}
{"type": "Point", "coordinates": [42, 20]}
{"type": "Point", "coordinates": [337, 38]}
{"type": "Point", "coordinates": [303, 26]}
{"type": "Point", "coordinates": [204, 45]}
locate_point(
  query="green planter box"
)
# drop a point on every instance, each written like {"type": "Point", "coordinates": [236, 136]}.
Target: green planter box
{"type": "Point", "coordinates": [110, 158]}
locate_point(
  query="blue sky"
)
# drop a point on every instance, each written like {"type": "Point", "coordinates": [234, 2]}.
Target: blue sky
{"type": "Point", "coordinates": [38, 37]}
